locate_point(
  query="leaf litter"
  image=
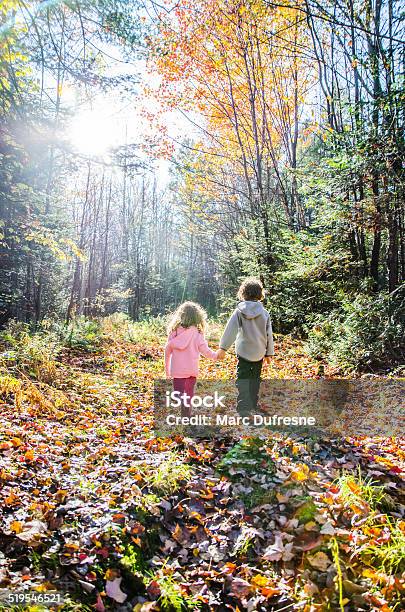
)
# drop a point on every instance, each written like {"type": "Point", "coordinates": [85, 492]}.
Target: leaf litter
{"type": "Point", "coordinates": [97, 508]}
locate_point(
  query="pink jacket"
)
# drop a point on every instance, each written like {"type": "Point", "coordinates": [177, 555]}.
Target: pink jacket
{"type": "Point", "coordinates": [182, 352]}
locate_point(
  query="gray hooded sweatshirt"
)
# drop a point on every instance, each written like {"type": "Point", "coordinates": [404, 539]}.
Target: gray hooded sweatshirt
{"type": "Point", "coordinates": [250, 327]}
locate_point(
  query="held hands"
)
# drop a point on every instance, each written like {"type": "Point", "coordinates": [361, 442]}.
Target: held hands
{"type": "Point", "coordinates": [221, 355]}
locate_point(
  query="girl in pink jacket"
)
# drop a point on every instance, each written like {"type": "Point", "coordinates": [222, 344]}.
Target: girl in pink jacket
{"type": "Point", "coordinates": [184, 346]}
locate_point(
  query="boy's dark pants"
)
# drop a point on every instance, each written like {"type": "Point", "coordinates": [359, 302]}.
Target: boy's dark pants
{"type": "Point", "coordinates": [248, 384]}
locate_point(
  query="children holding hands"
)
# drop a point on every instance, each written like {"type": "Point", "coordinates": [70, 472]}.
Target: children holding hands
{"type": "Point", "coordinates": [249, 327]}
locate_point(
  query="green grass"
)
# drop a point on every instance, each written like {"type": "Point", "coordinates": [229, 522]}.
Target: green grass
{"type": "Point", "coordinates": [70, 605]}
{"type": "Point", "coordinates": [35, 559]}
{"type": "Point", "coordinates": [248, 456]}
{"type": "Point", "coordinates": [172, 598]}
{"type": "Point", "coordinates": [244, 460]}
{"type": "Point", "coordinates": [147, 332]}
{"type": "Point", "coordinates": [386, 553]}
{"type": "Point", "coordinates": [244, 543]}
{"type": "Point", "coordinates": [169, 475]}
{"type": "Point", "coordinates": [306, 511]}
{"type": "Point", "coordinates": [33, 354]}
{"type": "Point", "coordinates": [339, 575]}
{"type": "Point", "coordinates": [258, 496]}
{"type": "Point", "coordinates": [132, 559]}
{"type": "Point", "coordinates": [357, 490]}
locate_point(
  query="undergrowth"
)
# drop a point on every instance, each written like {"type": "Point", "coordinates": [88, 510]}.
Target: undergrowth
{"type": "Point", "coordinates": [358, 490]}
{"type": "Point", "coordinates": [169, 474]}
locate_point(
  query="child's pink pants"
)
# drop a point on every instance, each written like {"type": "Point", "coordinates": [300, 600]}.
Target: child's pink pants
{"type": "Point", "coordinates": [185, 385]}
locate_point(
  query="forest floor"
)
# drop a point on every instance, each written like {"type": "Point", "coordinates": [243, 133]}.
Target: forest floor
{"type": "Point", "coordinates": [97, 508]}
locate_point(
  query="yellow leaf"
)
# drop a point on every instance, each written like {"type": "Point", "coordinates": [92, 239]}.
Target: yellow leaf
{"type": "Point", "coordinates": [16, 526]}
{"type": "Point", "coordinates": [61, 495]}
{"type": "Point", "coordinates": [45, 586]}
{"type": "Point", "coordinates": [282, 499]}
{"type": "Point", "coordinates": [300, 472]}
{"type": "Point", "coordinates": [111, 574]}
{"type": "Point", "coordinates": [354, 487]}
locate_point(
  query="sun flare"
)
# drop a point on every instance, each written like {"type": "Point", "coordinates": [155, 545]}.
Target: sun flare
{"type": "Point", "coordinates": [93, 132]}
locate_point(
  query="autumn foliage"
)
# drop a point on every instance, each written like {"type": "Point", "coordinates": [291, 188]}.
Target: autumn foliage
{"type": "Point", "coordinates": [97, 508]}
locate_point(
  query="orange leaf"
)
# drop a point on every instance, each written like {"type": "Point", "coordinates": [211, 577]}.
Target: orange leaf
{"type": "Point", "coordinates": [270, 591]}
{"type": "Point", "coordinates": [111, 574]}
{"type": "Point", "coordinates": [29, 455]}
{"type": "Point", "coordinates": [208, 495]}
{"type": "Point", "coordinates": [12, 500]}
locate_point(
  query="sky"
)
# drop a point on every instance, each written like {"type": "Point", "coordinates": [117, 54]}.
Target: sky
{"type": "Point", "coordinates": [107, 120]}
{"type": "Point", "coordinates": [103, 120]}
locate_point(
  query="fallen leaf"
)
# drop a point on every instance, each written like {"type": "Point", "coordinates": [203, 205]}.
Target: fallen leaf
{"type": "Point", "coordinates": [113, 590]}
{"type": "Point", "coordinates": [16, 526]}
{"type": "Point", "coordinates": [319, 561]}
{"type": "Point", "coordinates": [29, 455]}
{"type": "Point", "coordinates": [239, 588]}
{"type": "Point", "coordinates": [32, 532]}
{"type": "Point", "coordinates": [328, 529]}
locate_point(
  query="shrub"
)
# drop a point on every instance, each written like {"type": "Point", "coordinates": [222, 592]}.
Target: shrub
{"type": "Point", "coordinates": [366, 332]}
{"type": "Point", "coordinates": [82, 334]}
{"type": "Point", "coordinates": [147, 331]}
{"type": "Point", "coordinates": [311, 280]}
{"type": "Point", "coordinates": [115, 325]}
{"type": "Point", "coordinates": [33, 354]}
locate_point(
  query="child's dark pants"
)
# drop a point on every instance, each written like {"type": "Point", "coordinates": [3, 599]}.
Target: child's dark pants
{"type": "Point", "coordinates": [186, 386]}
{"type": "Point", "coordinates": [248, 384]}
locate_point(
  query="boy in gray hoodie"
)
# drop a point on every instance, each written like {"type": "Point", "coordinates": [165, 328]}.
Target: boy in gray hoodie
{"type": "Point", "coordinates": [250, 328]}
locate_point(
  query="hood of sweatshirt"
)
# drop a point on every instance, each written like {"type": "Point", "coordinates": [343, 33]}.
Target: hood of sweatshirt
{"type": "Point", "coordinates": [250, 310]}
{"type": "Point", "coordinates": [182, 337]}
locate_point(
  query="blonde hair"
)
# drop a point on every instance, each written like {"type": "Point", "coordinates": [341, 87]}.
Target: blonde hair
{"type": "Point", "coordinates": [188, 314]}
{"type": "Point", "coordinates": [251, 290]}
